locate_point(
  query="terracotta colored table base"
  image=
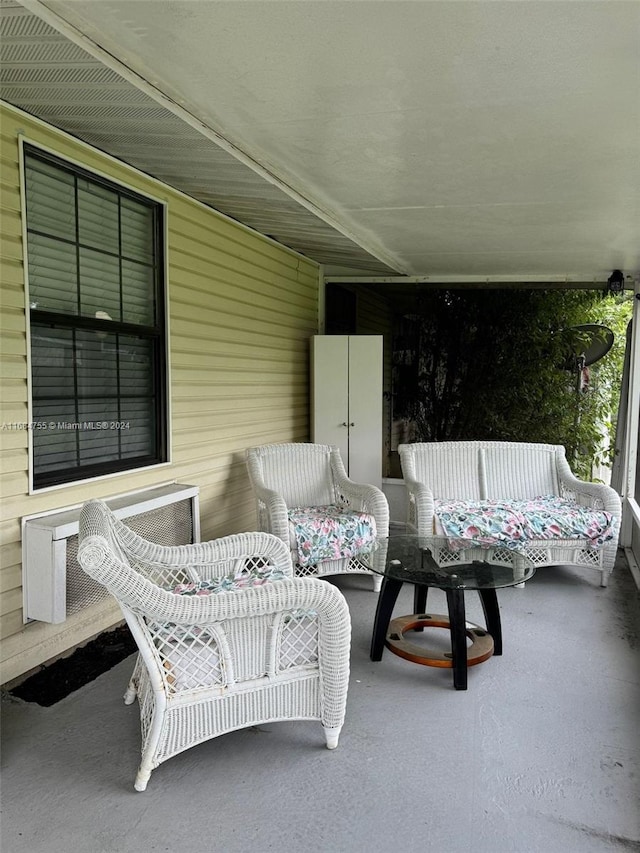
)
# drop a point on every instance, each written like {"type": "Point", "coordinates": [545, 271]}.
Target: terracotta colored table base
{"type": "Point", "coordinates": [389, 633]}
{"type": "Point", "coordinates": [481, 647]}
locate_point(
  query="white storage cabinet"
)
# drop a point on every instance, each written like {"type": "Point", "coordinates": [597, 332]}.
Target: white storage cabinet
{"type": "Point", "coordinates": [346, 401]}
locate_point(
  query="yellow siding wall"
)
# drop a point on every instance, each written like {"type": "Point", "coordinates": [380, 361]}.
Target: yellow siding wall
{"type": "Point", "coordinates": [241, 311]}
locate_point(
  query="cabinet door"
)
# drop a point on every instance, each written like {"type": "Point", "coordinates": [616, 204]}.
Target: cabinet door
{"type": "Point", "coordinates": [365, 409]}
{"type": "Point", "coordinates": [330, 392]}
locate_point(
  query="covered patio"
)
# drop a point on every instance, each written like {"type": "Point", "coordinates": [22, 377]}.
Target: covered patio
{"type": "Point", "coordinates": [288, 148]}
{"type": "Point", "coordinates": [539, 755]}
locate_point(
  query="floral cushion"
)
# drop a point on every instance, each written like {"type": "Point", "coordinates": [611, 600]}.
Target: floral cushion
{"type": "Point", "coordinates": [241, 579]}
{"type": "Point", "coordinates": [513, 524]}
{"type": "Point", "coordinates": [330, 533]}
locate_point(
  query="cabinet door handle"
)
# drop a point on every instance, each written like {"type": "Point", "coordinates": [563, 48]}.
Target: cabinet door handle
{"type": "Point", "coordinates": [345, 424]}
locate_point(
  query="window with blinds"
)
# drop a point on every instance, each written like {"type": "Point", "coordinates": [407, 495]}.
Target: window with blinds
{"type": "Point", "coordinates": [97, 323]}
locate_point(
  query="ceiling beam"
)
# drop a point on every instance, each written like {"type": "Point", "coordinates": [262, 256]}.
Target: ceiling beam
{"type": "Point", "coordinates": [151, 88]}
{"type": "Point", "coordinates": [552, 281]}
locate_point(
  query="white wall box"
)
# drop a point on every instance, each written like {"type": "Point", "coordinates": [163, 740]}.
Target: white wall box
{"type": "Point", "coordinates": [346, 401]}
{"type": "Point", "coordinates": [53, 582]}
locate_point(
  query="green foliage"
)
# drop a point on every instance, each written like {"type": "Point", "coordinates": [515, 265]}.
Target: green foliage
{"type": "Point", "coordinates": [493, 364]}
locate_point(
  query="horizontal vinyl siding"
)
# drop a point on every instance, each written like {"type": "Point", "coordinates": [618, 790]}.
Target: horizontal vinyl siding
{"type": "Point", "coordinates": [241, 312]}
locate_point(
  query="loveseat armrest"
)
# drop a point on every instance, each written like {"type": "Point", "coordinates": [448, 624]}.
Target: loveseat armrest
{"type": "Point", "coordinates": [595, 495]}
{"type": "Point", "coordinates": [421, 506]}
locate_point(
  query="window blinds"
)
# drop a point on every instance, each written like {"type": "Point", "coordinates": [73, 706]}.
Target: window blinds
{"type": "Point", "coordinates": [97, 336]}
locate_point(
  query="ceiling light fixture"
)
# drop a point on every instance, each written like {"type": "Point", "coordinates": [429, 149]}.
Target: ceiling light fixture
{"type": "Point", "coordinates": [615, 282]}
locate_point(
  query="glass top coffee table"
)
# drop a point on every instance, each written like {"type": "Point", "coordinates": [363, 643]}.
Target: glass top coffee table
{"type": "Point", "coordinates": [407, 558]}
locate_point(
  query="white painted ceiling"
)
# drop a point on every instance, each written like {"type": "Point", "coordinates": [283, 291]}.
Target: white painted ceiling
{"type": "Point", "coordinates": [455, 139]}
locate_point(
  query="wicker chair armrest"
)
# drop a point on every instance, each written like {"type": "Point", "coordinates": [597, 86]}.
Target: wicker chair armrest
{"type": "Point", "coordinates": [275, 507]}
{"type": "Point", "coordinates": [219, 556]}
{"type": "Point", "coordinates": [375, 503]}
{"type": "Point", "coordinates": [274, 597]}
{"type": "Point", "coordinates": [143, 596]}
{"type": "Point", "coordinates": [228, 550]}
{"type": "Point", "coordinates": [364, 497]}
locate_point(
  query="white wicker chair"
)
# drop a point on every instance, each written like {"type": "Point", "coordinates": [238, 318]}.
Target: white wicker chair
{"type": "Point", "coordinates": [286, 476]}
{"type": "Point", "coordinates": [480, 470]}
{"type": "Point", "coordinates": [212, 663]}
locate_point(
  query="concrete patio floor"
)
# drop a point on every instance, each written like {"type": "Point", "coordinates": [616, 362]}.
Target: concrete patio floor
{"type": "Point", "coordinates": [540, 755]}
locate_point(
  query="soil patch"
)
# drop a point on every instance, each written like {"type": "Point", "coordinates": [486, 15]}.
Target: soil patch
{"type": "Point", "coordinates": [57, 680]}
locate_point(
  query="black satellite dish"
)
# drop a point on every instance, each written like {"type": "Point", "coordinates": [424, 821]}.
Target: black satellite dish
{"type": "Point", "coordinates": [586, 344]}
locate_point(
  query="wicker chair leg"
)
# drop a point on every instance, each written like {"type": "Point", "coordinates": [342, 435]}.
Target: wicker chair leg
{"type": "Point", "coordinates": [144, 773]}
{"type": "Point", "coordinates": [332, 735]}
{"type": "Point", "coordinates": [130, 693]}
{"type": "Point", "coordinates": [377, 583]}
{"type": "Point", "coordinates": [134, 681]}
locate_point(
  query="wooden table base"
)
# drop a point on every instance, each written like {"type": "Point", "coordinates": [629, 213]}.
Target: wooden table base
{"type": "Point", "coordinates": [481, 647]}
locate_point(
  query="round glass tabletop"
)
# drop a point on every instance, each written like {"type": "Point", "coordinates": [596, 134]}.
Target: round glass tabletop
{"type": "Point", "coordinates": [408, 558]}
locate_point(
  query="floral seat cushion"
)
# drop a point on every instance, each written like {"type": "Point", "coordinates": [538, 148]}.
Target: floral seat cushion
{"type": "Point", "coordinates": [242, 578]}
{"type": "Point", "coordinates": [514, 523]}
{"type": "Point", "coordinates": [329, 533]}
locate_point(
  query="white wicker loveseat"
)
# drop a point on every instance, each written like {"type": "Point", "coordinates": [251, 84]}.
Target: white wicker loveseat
{"type": "Point", "coordinates": [478, 471]}
{"type": "Point", "coordinates": [289, 476]}
{"type": "Point", "coordinates": [227, 637]}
